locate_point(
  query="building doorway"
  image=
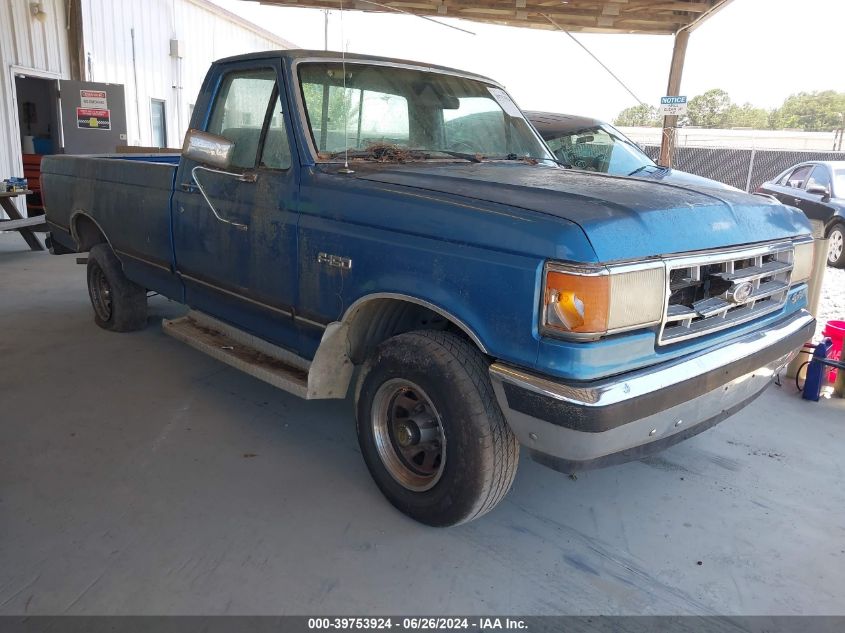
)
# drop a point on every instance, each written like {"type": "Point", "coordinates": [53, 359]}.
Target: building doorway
{"type": "Point", "coordinates": [40, 131]}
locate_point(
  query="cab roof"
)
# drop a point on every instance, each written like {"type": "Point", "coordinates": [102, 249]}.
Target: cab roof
{"type": "Point", "coordinates": [295, 54]}
{"type": "Point", "coordinates": [556, 123]}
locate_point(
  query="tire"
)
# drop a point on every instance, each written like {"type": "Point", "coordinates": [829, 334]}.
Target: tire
{"type": "Point", "coordinates": [119, 305]}
{"type": "Point", "coordinates": [443, 380]}
{"type": "Point", "coordinates": [836, 246]}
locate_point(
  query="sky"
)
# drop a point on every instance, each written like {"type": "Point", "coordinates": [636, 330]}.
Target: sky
{"type": "Point", "coordinates": [760, 51]}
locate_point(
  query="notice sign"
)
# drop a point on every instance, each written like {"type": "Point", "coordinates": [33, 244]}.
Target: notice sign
{"type": "Point", "coordinates": [93, 99]}
{"type": "Point", "coordinates": [93, 119]}
{"type": "Point", "coordinates": [673, 106]}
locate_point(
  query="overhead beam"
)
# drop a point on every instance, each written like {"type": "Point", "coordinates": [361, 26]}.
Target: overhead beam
{"type": "Point", "coordinates": [586, 16]}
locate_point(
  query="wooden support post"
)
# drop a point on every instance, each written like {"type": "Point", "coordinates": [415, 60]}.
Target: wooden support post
{"type": "Point", "coordinates": [76, 46]}
{"type": "Point", "coordinates": [676, 70]}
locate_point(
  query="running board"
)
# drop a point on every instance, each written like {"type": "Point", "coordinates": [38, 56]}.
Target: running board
{"type": "Point", "coordinates": [250, 354]}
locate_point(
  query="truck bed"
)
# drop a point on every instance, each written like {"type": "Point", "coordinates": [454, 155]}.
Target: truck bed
{"type": "Point", "coordinates": [130, 192]}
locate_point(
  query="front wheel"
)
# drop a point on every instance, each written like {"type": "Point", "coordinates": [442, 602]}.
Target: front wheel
{"type": "Point", "coordinates": [836, 246]}
{"type": "Point", "coordinates": [430, 430]}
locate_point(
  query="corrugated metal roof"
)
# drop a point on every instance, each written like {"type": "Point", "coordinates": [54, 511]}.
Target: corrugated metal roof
{"type": "Point", "coordinates": [588, 16]}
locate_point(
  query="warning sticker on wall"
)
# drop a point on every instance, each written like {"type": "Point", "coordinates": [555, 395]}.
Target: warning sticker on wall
{"type": "Point", "coordinates": [93, 99]}
{"type": "Point", "coordinates": [93, 119]}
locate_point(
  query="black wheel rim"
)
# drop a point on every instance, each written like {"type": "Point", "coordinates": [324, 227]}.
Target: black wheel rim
{"type": "Point", "coordinates": [408, 434]}
{"type": "Point", "coordinates": [101, 293]}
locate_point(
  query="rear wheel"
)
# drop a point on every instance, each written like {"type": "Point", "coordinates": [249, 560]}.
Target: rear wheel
{"type": "Point", "coordinates": [430, 430]}
{"type": "Point", "coordinates": [120, 305]}
{"type": "Point", "coordinates": [836, 246]}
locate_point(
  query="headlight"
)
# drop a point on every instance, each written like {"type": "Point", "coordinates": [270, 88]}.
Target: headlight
{"type": "Point", "coordinates": [802, 261]}
{"type": "Point", "coordinates": [588, 302]}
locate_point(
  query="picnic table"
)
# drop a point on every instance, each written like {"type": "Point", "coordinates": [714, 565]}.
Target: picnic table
{"type": "Point", "coordinates": [25, 226]}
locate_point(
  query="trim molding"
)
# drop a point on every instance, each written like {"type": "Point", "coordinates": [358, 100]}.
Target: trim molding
{"type": "Point", "coordinates": [260, 304]}
{"type": "Point", "coordinates": [427, 304]}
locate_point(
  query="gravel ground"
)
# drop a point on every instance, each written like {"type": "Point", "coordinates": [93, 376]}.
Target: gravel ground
{"type": "Point", "coordinates": [833, 297]}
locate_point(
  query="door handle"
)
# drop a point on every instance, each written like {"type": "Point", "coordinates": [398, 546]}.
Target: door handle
{"type": "Point", "coordinates": [189, 187]}
{"type": "Point", "coordinates": [248, 176]}
{"type": "Point", "coordinates": [198, 184]}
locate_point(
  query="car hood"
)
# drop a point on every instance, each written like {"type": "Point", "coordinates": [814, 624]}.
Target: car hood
{"type": "Point", "coordinates": [624, 218]}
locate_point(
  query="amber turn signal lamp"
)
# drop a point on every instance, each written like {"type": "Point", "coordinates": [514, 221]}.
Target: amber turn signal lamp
{"type": "Point", "coordinates": [576, 302]}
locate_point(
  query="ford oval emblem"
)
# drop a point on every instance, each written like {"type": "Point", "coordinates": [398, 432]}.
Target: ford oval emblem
{"type": "Point", "coordinates": [741, 292]}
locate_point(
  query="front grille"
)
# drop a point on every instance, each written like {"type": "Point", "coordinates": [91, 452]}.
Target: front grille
{"type": "Point", "coordinates": [716, 291]}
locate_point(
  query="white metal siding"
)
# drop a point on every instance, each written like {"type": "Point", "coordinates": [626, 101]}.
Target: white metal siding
{"type": "Point", "coordinates": [27, 43]}
{"type": "Point", "coordinates": [205, 32]}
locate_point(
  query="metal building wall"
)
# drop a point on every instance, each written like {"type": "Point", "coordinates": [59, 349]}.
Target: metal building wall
{"type": "Point", "coordinates": [206, 32]}
{"type": "Point", "coordinates": [26, 43]}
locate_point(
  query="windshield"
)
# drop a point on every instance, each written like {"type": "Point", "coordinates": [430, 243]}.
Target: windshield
{"type": "Point", "coordinates": [403, 109]}
{"type": "Point", "coordinates": [600, 148]}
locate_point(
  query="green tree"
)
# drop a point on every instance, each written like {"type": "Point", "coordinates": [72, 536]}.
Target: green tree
{"type": "Point", "coordinates": [811, 111]}
{"type": "Point", "coordinates": [710, 109]}
{"type": "Point", "coordinates": [638, 116]}
{"type": "Point", "coordinates": [342, 107]}
{"type": "Point", "coordinates": [747, 115]}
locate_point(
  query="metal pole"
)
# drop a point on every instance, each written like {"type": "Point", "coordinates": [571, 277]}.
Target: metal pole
{"type": "Point", "coordinates": [135, 80]}
{"type": "Point", "coordinates": [673, 89]}
{"type": "Point", "coordinates": [326, 30]}
{"type": "Point", "coordinates": [750, 170]}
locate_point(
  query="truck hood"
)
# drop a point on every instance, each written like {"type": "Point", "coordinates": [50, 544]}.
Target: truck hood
{"type": "Point", "coordinates": [624, 218]}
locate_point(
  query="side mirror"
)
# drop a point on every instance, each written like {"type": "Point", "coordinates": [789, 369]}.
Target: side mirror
{"type": "Point", "coordinates": [208, 149]}
{"type": "Point", "coordinates": [819, 190]}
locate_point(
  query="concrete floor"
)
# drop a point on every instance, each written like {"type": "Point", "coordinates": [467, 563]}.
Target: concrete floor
{"type": "Point", "coordinates": [137, 476]}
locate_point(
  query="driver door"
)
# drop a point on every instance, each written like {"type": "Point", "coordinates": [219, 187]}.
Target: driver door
{"type": "Point", "coordinates": [234, 229]}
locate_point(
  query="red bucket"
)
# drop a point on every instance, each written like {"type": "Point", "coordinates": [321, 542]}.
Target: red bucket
{"type": "Point", "coordinates": [836, 331]}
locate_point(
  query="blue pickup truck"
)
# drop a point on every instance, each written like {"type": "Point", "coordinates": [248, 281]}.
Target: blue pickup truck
{"type": "Point", "coordinates": [331, 223]}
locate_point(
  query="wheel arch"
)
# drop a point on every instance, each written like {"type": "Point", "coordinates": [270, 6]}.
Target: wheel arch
{"type": "Point", "coordinates": [837, 220]}
{"type": "Point", "coordinates": [370, 320]}
{"type": "Point", "coordinates": [86, 231]}
{"type": "Point", "coordinates": [377, 316]}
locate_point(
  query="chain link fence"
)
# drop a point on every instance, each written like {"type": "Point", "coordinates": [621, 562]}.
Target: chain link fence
{"type": "Point", "coordinates": [745, 169]}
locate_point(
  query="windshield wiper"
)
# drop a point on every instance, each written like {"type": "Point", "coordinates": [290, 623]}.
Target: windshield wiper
{"type": "Point", "coordinates": [473, 158]}
{"type": "Point", "coordinates": [354, 153]}
{"type": "Point", "coordinates": [639, 169]}
{"type": "Point", "coordinates": [391, 153]}
{"type": "Point", "coordinates": [655, 167]}
{"type": "Point", "coordinates": [532, 158]}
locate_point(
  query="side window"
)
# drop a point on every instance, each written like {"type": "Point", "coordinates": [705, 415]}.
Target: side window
{"type": "Point", "coordinates": [820, 177]}
{"type": "Point", "coordinates": [798, 178]}
{"type": "Point", "coordinates": [276, 153]}
{"type": "Point", "coordinates": [158, 120]}
{"type": "Point", "coordinates": [239, 111]}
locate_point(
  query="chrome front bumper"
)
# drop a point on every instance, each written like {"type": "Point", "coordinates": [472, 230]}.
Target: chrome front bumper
{"type": "Point", "coordinates": [575, 426]}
